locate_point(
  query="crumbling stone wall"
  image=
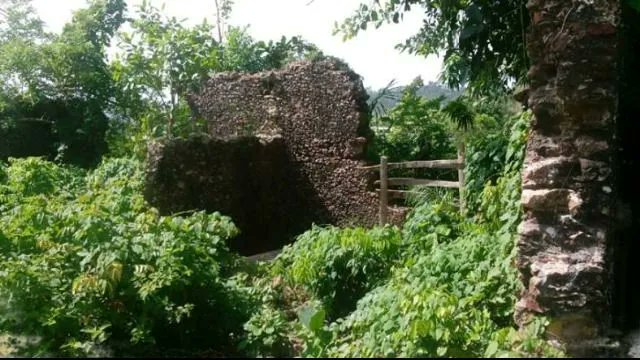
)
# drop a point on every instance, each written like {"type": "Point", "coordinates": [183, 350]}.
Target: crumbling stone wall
{"type": "Point", "coordinates": [316, 113]}
{"type": "Point", "coordinates": [568, 192]}
{"type": "Point", "coordinates": [320, 111]}
{"type": "Point", "coordinates": [244, 178]}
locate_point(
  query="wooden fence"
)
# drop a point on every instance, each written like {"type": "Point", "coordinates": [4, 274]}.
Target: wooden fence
{"type": "Point", "coordinates": [385, 181]}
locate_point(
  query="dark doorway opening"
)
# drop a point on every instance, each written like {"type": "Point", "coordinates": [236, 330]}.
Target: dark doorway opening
{"type": "Point", "coordinates": [626, 252]}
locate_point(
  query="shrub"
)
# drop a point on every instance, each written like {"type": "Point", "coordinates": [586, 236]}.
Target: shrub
{"type": "Point", "coordinates": [34, 176]}
{"type": "Point", "coordinates": [431, 222]}
{"type": "Point", "coordinates": [416, 128]}
{"type": "Point", "coordinates": [447, 303]}
{"type": "Point", "coordinates": [339, 266]}
{"type": "Point", "coordinates": [491, 154]}
{"type": "Point", "coordinates": [91, 265]}
{"type": "Point", "coordinates": [267, 334]}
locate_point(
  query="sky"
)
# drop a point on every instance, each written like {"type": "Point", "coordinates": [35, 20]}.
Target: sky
{"type": "Point", "coordinates": [371, 54]}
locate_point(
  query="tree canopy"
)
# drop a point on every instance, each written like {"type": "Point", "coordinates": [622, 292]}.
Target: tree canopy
{"type": "Point", "coordinates": [482, 42]}
{"type": "Point", "coordinates": [97, 82]}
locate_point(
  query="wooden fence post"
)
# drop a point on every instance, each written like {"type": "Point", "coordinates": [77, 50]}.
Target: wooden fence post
{"type": "Point", "coordinates": [461, 155]}
{"type": "Point", "coordinates": [384, 185]}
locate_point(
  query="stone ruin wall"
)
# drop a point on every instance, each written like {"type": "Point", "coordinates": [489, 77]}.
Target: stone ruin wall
{"type": "Point", "coordinates": [283, 152]}
{"type": "Point", "coordinates": [319, 109]}
{"type": "Point", "coordinates": [568, 196]}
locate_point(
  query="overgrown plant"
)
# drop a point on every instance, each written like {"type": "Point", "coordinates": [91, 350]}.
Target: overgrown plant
{"type": "Point", "coordinates": [414, 129]}
{"type": "Point", "coordinates": [87, 266]}
{"type": "Point", "coordinates": [339, 266]}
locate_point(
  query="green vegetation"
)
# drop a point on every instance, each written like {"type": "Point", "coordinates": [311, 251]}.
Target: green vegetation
{"type": "Point", "coordinates": [86, 262]}
{"type": "Point", "coordinates": [73, 103]}
{"type": "Point", "coordinates": [88, 268]}
{"type": "Point", "coordinates": [483, 43]}
{"type": "Point", "coordinates": [442, 286]}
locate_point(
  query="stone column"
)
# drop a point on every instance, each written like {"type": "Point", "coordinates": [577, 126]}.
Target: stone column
{"type": "Point", "coordinates": [567, 182]}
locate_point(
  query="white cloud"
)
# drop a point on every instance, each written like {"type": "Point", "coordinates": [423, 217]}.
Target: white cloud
{"type": "Point", "coordinates": [371, 53]}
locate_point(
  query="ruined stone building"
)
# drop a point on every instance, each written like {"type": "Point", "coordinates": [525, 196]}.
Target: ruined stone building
{"type": "Point", "coordinates": [285, 148]}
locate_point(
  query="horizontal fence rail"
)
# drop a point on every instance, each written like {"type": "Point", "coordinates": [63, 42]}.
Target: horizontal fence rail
{"type": "Point", "coordinates": [385, 181]}
{"type": "Point", "coordinates": [423, 182]}
{"type": "Point", "coordinates": [399, 194]}
{"type": "Point", "coordinates": [427, 164]}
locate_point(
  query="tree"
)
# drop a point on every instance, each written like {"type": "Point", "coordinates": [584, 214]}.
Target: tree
{"type": "Point", "coordinates": [482, 41]}
{"type": "Point", "coordinates": [223, 11]}
{"type": "Point", "coordinates": [21, 37]}
{"type": "Point", "coordinates": [416, 128]}
{"type": "Point", "coordinates": [162, 60]}
{"type": "Point", "coordinates": [73, 64]}
{"type": "Point", "coordinates": [76, 61]}
{"type": "Point", "coordinates": [61, 82]}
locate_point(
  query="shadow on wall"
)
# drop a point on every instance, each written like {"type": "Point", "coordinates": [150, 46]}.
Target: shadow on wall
{"type": "Point", "coordinates": [626, 292]}
{"type": "Point", "coordinates": [284, 151]}
{"type": "Point", "coordinates": [253, 182]}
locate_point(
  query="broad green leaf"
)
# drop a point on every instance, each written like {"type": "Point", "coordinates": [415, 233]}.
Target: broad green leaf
{"type": "Point", "coordinates": [312, 318]}
{"type": "Point", "coordinates": [492, 349]}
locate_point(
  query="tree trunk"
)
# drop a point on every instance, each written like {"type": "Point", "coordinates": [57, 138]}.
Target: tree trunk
{"type": "Point", "coordinates": [219, 21]}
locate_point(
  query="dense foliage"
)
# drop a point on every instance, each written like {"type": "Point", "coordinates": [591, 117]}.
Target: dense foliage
{"type": "Point", "coordinates": [85, 262]}
{"type": "Point", "coordinates": [89, 268]}
{"type": "Point", "coordinates": [56, 87]}
{"type": "Point", "coordinates": [414, 129]}
{"type": "Point", "coordinates": [421, 128]}
{"type": "Point", "coordinates": [483, 43]}
{"type": "Point", "coordinates": [338, 266]}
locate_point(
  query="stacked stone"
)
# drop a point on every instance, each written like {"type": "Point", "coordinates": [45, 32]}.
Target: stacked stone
{"type": "Point", "coordinates": [567, 182]}
{"type": "Point", "coordinates": [319, 109]}
{"type": "Point", "coordinates": [309, 122]}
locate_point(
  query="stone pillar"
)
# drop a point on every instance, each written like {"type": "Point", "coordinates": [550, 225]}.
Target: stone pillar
{"type": "Point", "coordinates": [567, 182]}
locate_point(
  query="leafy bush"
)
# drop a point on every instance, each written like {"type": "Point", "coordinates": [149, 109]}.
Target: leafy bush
{"type": "Point", "coordinates": [447, 303]}
{"type": "Point", "coordinates": [492, 150]}
{"type": "Point", "coordinates": [90, 265]}
{"type": "Point", "coordinates": [339, 266]}
{"type": "Point", "coordinates": [529, 342]}
{"type": "Point", "coordinates": [267, 333]}
{"type": "Point", "coordinates": [432, 221]}
{"type": "Point", "coordinates": [33, 176]}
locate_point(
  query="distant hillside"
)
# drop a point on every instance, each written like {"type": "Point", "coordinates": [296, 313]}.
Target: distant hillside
{"type": "Point", "coordinates": [429, 91]}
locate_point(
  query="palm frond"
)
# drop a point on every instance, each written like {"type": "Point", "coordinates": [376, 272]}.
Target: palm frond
{"type": "Point", "coordinates": [389, 93]}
